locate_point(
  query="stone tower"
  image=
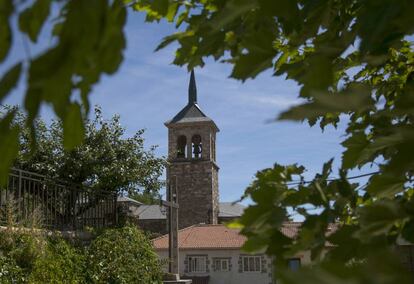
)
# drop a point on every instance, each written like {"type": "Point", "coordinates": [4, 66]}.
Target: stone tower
{"type": "Point", "coordinates": [192, 162]}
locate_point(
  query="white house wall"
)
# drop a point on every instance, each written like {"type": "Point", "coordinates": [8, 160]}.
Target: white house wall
{"type": "Point", "coordinates": [234, 276]}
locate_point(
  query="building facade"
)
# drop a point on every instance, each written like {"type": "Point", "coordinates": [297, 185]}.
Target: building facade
{"type": "Point", "coordinates": [213, 254]}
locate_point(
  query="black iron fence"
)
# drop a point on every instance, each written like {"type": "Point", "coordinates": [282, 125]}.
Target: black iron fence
{"type": "Point", "coordinates": [55, 205]}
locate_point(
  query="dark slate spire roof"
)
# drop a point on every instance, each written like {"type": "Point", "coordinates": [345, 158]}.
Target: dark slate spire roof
{"type": "Point", "coordinates": [192, 90]}
{"type": "Point", "coordinates": [191, 112]}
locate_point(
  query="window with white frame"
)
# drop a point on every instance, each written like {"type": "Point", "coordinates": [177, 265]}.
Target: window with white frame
{"type": "Point", "coordinates": [221, 264]}
{"type": "Point", "coordinates": [252, 263]}
{"type": "Point", "coordinates": [197, 264]}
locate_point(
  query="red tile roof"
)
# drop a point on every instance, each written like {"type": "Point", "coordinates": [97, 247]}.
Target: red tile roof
{"type": "Point", "coordinates": [215, 237]}
{"type": "Point", "coordinates": [204, 237]}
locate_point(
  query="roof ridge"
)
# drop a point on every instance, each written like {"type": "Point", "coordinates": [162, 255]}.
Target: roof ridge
{"type": "Point", "coordinates": [180, 230]}
{"type": "Point", "coordinates": [231, 202]}
{"type": "Point", "coordinates": [209, 225]}
{"type": "Point", "coordinates": [183, 242]}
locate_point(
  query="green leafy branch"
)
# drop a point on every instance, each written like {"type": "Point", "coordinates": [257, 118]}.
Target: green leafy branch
{"type": "Point", "coordinates": [88, 42]}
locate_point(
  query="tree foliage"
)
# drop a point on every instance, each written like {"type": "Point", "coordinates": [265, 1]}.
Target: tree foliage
{"type": "Point", "coordinates": [353, 61]}
{"type": "Point", "coordinates": [146, 197]}
{"type": "Point", "coordinates": [107, 160]}
{"type": "Point", "coordinates": [87, 40]}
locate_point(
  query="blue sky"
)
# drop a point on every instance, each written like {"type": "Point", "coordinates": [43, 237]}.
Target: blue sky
{"type": "Point", "coordinates": [148, 90]}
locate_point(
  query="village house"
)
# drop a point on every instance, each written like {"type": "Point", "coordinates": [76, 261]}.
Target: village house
{"type": "Point", "coordinates": [212, 254]}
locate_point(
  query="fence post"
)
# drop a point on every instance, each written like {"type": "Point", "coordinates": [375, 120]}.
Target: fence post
{"type": "Point", "coordinates": [73, 209]}
{"type": "Point", "coordinates": [19, 197]}
{"type": "Point", "coordinates": [115, 208]}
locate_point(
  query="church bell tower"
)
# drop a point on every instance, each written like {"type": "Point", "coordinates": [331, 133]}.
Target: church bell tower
{"type": "Point", "coordinates": [192, 164]}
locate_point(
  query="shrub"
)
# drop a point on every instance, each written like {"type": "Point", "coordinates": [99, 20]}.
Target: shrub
{"type": "Point", "coordinates": [24, 247]}
{"type": "Point", "coordinates": [10, 272]}
{"type": "Point", "coordinates": [61, 263]}
{"type": "Point", "coordinates": [123, 255]}
{"type": "Point", "coordinates": [34, 258]}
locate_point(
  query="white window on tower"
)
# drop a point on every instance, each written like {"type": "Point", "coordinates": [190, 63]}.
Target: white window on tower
{"type": "Point", "coordinates": [222, 264]}
{"type": "Point", "coordinates": [197, 264]}
{"type": "Point", "coordinates": [252, 263]}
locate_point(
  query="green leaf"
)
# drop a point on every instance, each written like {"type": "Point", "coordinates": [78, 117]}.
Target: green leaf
{"type": "Point", "coordinates": [174, 37]}
{"type": "Point", "coordinates": [8, 145]}
{"type": "Point", "coordinates": [172, 11]}
{"type": "Point", "coordinates": [355, 99]}
{"type": "Point", "coordinates": [90, 42]}
{"type": "Point", "coordinates": [73, 128]}
{"type": "Point", "coordinates": [9, 80]}
{"type": "Point", "coordinates": [382, 266]}
{"type": "Point", "coordinates": [6, 10]}
{"type": "Point", "coordinates": [287, 12]}
{"type": "Point", "coordinates": [250, 65]}
{"type": "Point", "coordinates": [160, 6]}
{"type": "Point", "coordinates": [32, 19]}
{"type": "Point", "coordinates": [378, 218]}
{"type": "Point", "coordinates": [386, 185]}
{"type": "Point", "coordinates": [232, 10]}
{"type": "Point", "coordinates": [382, 24]}
{"type": "Point", "coordinates": [354, 145]}
{"type": "Point", "coordinates": [181, 18]}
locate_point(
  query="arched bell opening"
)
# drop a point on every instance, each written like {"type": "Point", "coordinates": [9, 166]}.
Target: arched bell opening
{"type": "Point", "coordinates": [197, 146]}
{"type": "Point", "coordinates": [182, 147]}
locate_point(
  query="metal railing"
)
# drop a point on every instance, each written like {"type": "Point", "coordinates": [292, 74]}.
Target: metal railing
{"type": "Point", "coordinates": [58, 205]}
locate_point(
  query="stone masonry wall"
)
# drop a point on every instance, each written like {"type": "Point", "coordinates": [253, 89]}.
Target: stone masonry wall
{"type": "Point", "coordinates": [216, 199]}
{"type": "Point", "coordinates": [206, 131]}
{"type": "Point", "coordinates": [158, 226]}
{"type": "Point", "coordinates": [197, 195]}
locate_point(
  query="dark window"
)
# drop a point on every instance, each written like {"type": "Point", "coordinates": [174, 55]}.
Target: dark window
{"type": "Point", "coordinates": [221, 264]}
{"type": "Point", "coordinates": [294, 264]}
{"type": "Point", "coordinates": [252, 263]}
{"type": "Point", "coordinates": [197, 146]}
{"type": "Point", "coordinates": [197, 264]}
{"type": "Point", "coordinates": [181, 146]}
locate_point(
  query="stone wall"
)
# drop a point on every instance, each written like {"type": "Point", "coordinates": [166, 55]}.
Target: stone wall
{"type": "Point", "coordinates": [205, 130]}
{"type": "Point", "coordinates": [197, 192]}
{"type": "Point", "coordinates": [157, 226]}
{"type": "Point", "coordinates": [216, 196]}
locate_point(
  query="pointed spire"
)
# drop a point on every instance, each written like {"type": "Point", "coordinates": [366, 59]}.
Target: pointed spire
{"type": "Point", "coordinates": [192, 90]}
